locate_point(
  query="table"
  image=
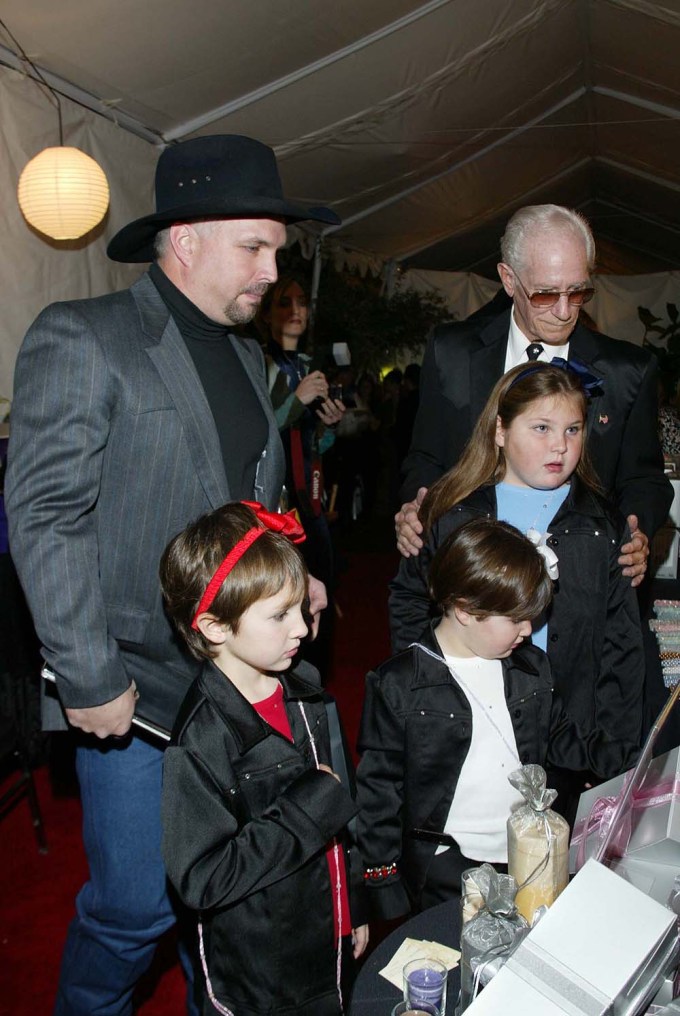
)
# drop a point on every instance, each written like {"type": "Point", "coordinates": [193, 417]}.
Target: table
{"type": "Point", "coordinates": [375, 996]}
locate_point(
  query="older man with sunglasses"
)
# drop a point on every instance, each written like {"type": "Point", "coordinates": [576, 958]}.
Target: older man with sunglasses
{"type": "Point", "coordinates": [548, 256]}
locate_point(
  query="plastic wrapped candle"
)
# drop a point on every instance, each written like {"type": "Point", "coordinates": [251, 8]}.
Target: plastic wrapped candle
{"type": "Point", "coordinates": [538, 843]}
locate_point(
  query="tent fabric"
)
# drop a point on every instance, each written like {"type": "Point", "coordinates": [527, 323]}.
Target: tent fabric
{"type": "Point", "coordinates": [35, 270]}
{"type": "Point", "coordinates": [423, 123]}
{"type": "Point", "coordinates": [613, 308]}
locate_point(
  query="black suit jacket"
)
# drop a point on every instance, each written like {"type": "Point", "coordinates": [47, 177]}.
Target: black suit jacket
{"type": "Point", "coordinates": [464, 360]}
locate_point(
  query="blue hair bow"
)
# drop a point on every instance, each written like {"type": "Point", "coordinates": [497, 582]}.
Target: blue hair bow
{"type": "Point", "coordinates": [591, 384]}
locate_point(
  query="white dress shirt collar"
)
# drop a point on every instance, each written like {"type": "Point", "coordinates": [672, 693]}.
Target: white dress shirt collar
{"type": "Point", "coordinates": [516, 351]}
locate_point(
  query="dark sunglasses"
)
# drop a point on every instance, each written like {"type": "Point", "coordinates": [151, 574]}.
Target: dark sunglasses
{"type": "Point", "coordinates": [548, 298]}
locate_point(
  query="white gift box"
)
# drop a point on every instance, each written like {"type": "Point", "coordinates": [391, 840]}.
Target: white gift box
{"type": "Point", "coordinates": [602, 948]}
{"type": "Point", "coordinates": [652, 856]}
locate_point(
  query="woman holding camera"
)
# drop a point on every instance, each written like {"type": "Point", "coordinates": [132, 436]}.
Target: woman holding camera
{"type": "Point", "coordinates": [305, 413]}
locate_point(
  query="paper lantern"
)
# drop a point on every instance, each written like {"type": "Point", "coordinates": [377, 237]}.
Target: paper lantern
{"type": "Point", "coordinates": [63, 193]}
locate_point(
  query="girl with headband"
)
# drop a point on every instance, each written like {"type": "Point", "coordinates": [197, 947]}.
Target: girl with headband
{"type": "Point", "coordinates": [526, 464]}
{"type": "Point", "coordinates": [253, 814]}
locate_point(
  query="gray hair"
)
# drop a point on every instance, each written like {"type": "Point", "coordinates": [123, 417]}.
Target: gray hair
{"type": "Point", "coordinates": [162, 239]}
{"type": "Point", "coordinates": [160, 243]}
{"type": "Point", "coordinates": [532, 220]}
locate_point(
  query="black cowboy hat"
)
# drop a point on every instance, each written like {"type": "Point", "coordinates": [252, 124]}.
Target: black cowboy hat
{"type": "Point", "coordinates": [223, 175]}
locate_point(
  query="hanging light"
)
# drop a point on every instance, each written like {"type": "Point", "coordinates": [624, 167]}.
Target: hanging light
{"type": "Point", "coordinates": [63, 193]}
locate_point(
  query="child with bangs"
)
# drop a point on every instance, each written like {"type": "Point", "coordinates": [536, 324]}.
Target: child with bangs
{"type": "Point", "coordinates": [253, 814]}
{"type": "Point", "coordinates": [448, 719]}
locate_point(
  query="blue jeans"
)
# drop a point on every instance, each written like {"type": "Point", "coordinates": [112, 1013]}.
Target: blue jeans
{"type": "Point", "coordinates": [123, 910]}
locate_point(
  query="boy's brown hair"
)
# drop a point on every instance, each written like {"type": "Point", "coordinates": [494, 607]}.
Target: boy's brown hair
{"type": "Point", "coordinates": [191, 559]}
{"type": "Point", "coordinates": [488, 567]}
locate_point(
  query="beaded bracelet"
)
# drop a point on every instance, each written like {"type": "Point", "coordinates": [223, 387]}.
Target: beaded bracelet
{"type": "Point", "coordinates": [381, 871]}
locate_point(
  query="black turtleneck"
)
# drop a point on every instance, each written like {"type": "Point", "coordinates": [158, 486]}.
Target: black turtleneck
{"type": "Point", "coordinates": [239, 418]}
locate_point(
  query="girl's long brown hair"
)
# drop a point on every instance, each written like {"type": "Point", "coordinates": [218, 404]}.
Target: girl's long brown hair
{"type": "Point", "coordinates": [482, 460]}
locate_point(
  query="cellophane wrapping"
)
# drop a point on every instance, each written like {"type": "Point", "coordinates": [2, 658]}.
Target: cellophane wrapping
{"type": "Point", "coordinates": [538, 843]}
{"type": "Point", "coordinates": [488, 938]}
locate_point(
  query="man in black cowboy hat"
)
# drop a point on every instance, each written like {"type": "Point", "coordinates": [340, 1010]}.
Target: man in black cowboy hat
{"type": "Point", "coordinates": [133, 414]}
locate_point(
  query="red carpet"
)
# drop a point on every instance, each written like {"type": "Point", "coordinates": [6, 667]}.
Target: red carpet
{"type": "Point", "coordinates": [37, 890]}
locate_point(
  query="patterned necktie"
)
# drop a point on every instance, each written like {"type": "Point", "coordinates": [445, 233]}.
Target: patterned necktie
{"type": "Point", "coordinates": [534, 351]}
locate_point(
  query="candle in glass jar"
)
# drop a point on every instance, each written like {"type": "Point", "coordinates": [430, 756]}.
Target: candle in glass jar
{"type": "Point", "coordinates": [425, 983]}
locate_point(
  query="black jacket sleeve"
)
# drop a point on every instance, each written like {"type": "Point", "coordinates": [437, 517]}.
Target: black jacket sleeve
{"type": "Point", "coordinates": [428, 457]}
{"type": "Point", "coordinates": [410, 607]}
{"type": "Point", "coordinates": [562, 742]}
{"type": "Point", "coordinates": [212, 861]}
{"type": "Point", "coordinates": [619, 681]}
{"type": "Point", "coordinates": [380, 784]}
{"type": "Point", "coordinates": [595, 751]}
{"type": "Point", "coordinates": [641, 487]}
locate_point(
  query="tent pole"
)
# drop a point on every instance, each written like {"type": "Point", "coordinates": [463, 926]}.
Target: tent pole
{"type": "Point", "coordinates": [314, 295]}
{"type": "Point", "coordinates": [389, 279]}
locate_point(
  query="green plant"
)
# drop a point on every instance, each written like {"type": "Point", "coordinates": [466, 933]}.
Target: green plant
{"type": "Point", "coordinates": [351, 309]}
{"type": "Point", "coordinates": [666, 344]}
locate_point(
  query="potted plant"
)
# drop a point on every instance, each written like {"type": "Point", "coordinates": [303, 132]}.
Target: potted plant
{"type": "Point", "coordinates": [663, 338]}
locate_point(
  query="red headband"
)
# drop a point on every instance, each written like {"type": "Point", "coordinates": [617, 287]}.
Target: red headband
{"type": "Point", "coordinates": [286, 524]}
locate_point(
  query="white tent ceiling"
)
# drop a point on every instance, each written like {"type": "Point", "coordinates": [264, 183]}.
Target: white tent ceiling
{"type": "Point", "coordinates": [423, 124]}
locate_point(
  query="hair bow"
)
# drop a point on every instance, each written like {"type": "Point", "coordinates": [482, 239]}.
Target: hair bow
{"type": "Point", "coordinates": [589, 382]}
{"type": "Point", "coordinates": [286, 524]}
{"type": "Point", "coordinates": [540, 542]}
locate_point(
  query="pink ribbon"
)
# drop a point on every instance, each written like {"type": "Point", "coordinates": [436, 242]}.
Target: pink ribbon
{"type": "Point", "coordinates": [599, 819]}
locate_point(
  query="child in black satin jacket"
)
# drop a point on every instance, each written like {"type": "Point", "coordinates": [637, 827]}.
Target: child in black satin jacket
{"type": "Point", "coordinates": [446, 721]}
{"type": "Point", "coordinates": [253, 814]}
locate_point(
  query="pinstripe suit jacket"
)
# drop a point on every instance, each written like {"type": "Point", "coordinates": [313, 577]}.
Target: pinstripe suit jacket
{"type": "Point", "coordinates": [113, 450]}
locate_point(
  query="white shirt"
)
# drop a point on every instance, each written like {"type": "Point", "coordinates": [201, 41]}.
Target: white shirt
{"type": "Point", "coordinates": [517, 347]}
{"type": "Point", "coordinates": [484, 799]}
